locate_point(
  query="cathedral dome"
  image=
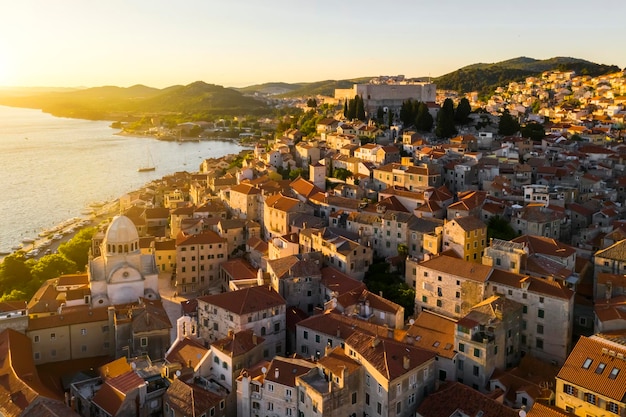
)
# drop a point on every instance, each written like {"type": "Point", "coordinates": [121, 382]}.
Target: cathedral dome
{"type": "Point", "coordinates": [121, 236]}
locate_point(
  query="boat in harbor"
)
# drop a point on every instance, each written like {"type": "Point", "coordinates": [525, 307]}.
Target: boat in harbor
{"type": "Point", "coordinates": [149, 165]}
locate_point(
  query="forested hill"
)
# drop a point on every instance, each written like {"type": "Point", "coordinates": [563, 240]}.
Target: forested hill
{"type": "Point", "coordinates": [485, 78]}
{"type": "Point", "coordinates": [325, 88]}
{"type": "Point", "coordinates": [198, 99]}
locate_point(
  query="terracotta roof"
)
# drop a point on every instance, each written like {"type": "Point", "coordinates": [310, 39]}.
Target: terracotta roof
{"type": "Point", "coordinates": [245, 188]}
{"type": "Point", "coordinates": [388, 356]}
{"type": "Point", "coordinates": [338, 282]}
{"type": "Point", "coordinates": [238, 343]}
{"type": "Point", "coordinates": [288, 369]}
{"type": "Point", "coordinates": [336, 361]}
{"type": "Point", "coordinates": [342, 326]}
{"type": "Point", "coordinates": [72, 315]}
{"type": "Point", "coordinates": [616, 252]}
{"type": "Point", "coordinates": [377, 302]}
{"type": "Point", "coordinates": [108, 399]}
{"type": "Point", "coordinates": [541, 410]}
{"type": "Point", "coordinates": [186, 352]}
{"type": "Point", "coordinates": [468, 223]}
{"type": "Point", "coordinates": [293, 267]}
{"type": "Point", "coordinates": [304, 187]}
{"type": "Point", "coordinates": [19, 382]}
{"type": "Point", "coordinates": [459, 267]}
{"type": "Point", "coordinates": [537, 285]}
{"type": "Point", "coordinates": [206, 237]}
{"type": "Point", "coordinates": [247, 300]}
{"type": "Point", "coordinates": [182, 397]}
{"type": "Point", "coordinates": [594, 379]}
{"type": "Point", "coordinates": [165, 244]}
{"type": "Point", "coordinates": [434, 332]}
{"type": "Point", "coordinates": [454, 398]}
{"type": "Point", "coordinates": [281, 202]}
{"type": "Point", "coordinates": [545, 246]}
{"type": "Point", "coordinates": [239, 268]}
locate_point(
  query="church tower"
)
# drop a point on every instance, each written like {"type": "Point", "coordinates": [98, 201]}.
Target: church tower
{"type": "Point", "coordinates": [317, 175]}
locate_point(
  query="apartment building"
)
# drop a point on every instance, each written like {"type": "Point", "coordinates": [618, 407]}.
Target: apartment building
{"type": "Point", "coordinates": [259, 309]}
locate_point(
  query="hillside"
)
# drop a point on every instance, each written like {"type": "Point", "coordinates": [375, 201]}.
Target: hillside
{"type": "Point", "coordinates": [325, 88]}
{"type": "Point", "coordinates": [485, 78]}
{"type": "Point", "coordinates": [109, 103]}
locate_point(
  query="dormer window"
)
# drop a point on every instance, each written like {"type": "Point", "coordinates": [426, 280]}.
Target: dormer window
{"type": "Point", "coordinates": [587, 363]}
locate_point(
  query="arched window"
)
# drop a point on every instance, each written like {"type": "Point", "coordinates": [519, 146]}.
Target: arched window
{"type": "Point", "coordinates": [119, 248]}
{"type": "Point", "coordinates": [126, 248]}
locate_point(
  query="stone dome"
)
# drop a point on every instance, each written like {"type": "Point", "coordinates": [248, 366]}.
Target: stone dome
{"type": "Point", "coordinates": [121, 237]}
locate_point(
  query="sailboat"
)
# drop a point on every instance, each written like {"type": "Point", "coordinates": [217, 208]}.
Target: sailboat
{"type": "Point", "coordinates": [149, 165]}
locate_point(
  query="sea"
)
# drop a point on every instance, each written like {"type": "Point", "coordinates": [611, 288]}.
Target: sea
{"type": "Point", "coordinates": [53, 168]}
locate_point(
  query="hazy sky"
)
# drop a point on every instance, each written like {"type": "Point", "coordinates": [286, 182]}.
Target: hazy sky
{"type": "Point", "coordinates": [160, 43]}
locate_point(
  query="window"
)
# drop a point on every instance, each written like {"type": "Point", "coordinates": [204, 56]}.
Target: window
{"type": "Point", "coordinates": [367, 398]}
{"type": "Point", "coordinates": [367, 380]}
{"type": "Point", "coordinates": [304, 349]}
{"type": "Point", "coordinates": [277, 327]}
{"type": "Point", "coordinates": [613, 373]}
{"type": "Point", "coordinates": [317, 338]}
{"type": "Point", "coordinates": [144, 341]}
{"type": "Point", "coordinates": [306, 335]}
{"type": "Point", "coordinates": [524, 296]}
{"type": "Point", "coordinates": [539, 344]}
{"type": "Point", "coordinates": [541, 299]}
{"type": "Point", "coordinates": [590, 398]}
{"type": "Point", "coordinates": [612, 407]}
{"type": "Point", "coordinates": [53, 336]}
{"type": "Point", "coordinates": [458, 294]}
{"type": "Point", "coordinates": [461, 347]}
{"type": "Point", "coordinates": [270, 387]}
{"type": "Point", "coordinates": [83, 348]}
{"type": "Point", "coordinates": [439, 303]}
{"type": "Point", "coordinates": [540, 329]}
{"type": "Point", "coordinates": [83, 332]}
{"type": "Point", "coordinates": [525, 309]}
{"type": "Point", "coordinates": [540, 313]}
{"type": "Point", "coordinates": [570, 390]}
{"type": "Point", "coordinates": [477, 352]}
{"type": "Point", "coordinates": [36, 339]}
{"type": "Point", "coordinates": [600, 368]}
{"type": "Point", "coordinates": [587, 363]}
{"type": "Point", "coordinates": [398, 407]}
{"type": "Point", "coordinates": [354, 398]}
{"type": "Point", "coordinates": [460, 364]}
{"type": "Point", "coordinates": [476, 370]}
{"type": "Point", "coordinates": [424, 299]}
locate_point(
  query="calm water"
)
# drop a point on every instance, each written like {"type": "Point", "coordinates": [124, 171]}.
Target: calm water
{"type": "Point", "coordinates": [51, 168]}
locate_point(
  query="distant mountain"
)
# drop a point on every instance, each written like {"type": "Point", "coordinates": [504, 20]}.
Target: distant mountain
{"type": "Point", "coordinates": [198, 99]}
{"type": "Point", "coordinates": [485, 78]}
{"type": "Point", "coordinates": [325, 88]}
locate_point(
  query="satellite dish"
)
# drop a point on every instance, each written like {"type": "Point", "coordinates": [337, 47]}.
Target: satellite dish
{"type": "Point", "coordinates": [522, 413]}
{"type": "Point", "coordinates": [411, 322]}
{"type": "Point", "coordinates": [178, 373]}
{"type": "Point", "coordinates": [264, 369]}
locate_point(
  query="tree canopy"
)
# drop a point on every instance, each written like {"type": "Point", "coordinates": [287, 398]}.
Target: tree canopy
{"type": "Point", "coordinates": [507, 125]}
{"type": "Point", "coordinates": [445, 120]}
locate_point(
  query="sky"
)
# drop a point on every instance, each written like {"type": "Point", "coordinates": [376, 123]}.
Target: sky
{"type": "Point", "coordinates": [236, 43]}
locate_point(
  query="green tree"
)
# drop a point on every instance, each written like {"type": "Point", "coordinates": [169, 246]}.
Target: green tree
{"type": "Point", "coordinates": [507, 125]}
{"type": "Point", "coordinates": [534, 131]}
{"type": "Point", "coordinates": [52, 266]}
{"type": "Point", "coordinates": [445, 120]}
{"type": "Point", "coordinates": [499, 228]}
{"type": "Point", "coordinates": [380, 115]}
{"type": "Point", "coordinates": [389, 117]}
{"type": "Point", "coordinates": [77, 249]}
{"type": "Point", "coordinates": [424, 120]}
{"type": "Point", "coordinates": [312, 102]}
{"type": "Point", "coordinates": [341, 173]}
{"type": "Point", "coordinates": [345, 109]}
{"type": "Point", "coordinates": [463, 111]}
{"type": "Point", "coordinates": [14, 272]}
{"type": "Point", "coordinates": [360, 108]}
{"type": "Point", "coordinates": [352, 107]}
{"type": "Point", "coordinates": [14, 295]}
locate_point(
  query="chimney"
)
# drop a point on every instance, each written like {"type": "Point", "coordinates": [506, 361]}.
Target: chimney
{"type": "Point", "coordinates": [406, 362]}
{"type": "Point", "coordinates": [327, 349]}
{"type": "Point", "coordinates": [338, 332]}
{"type": "Point", "coordinates": [276, 373]}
